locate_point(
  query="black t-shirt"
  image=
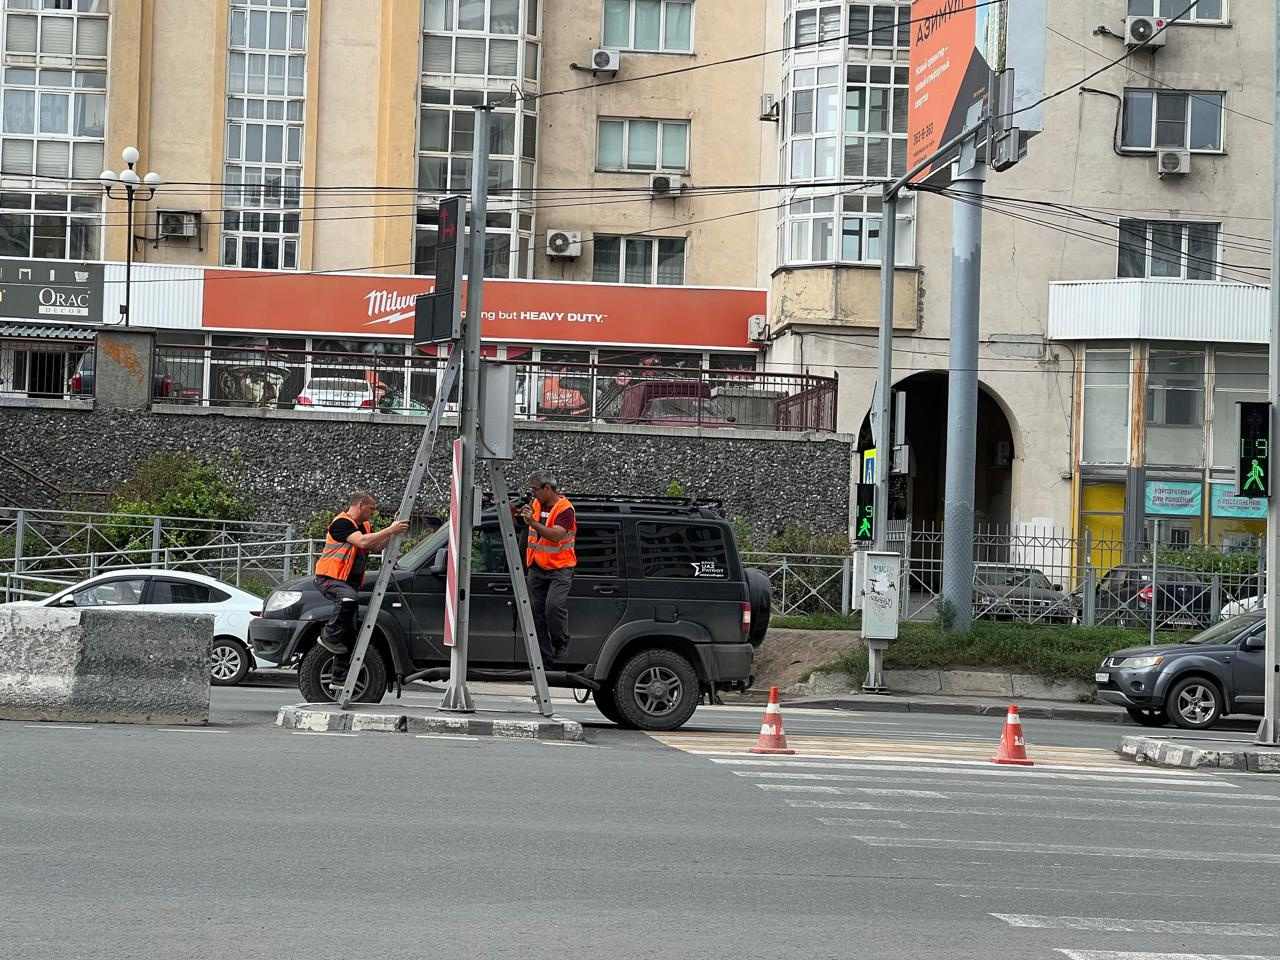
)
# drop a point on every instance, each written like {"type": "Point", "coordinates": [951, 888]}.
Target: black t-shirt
{"type": "Point", "coordinates": [340, 529]}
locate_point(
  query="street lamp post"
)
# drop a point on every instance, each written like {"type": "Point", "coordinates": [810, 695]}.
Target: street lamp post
{"type": "Point", "coordinates": [133, 185]}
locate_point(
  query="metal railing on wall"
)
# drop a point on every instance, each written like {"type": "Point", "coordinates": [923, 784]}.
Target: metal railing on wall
{"type": "Point", "coordinates": [33, 370]}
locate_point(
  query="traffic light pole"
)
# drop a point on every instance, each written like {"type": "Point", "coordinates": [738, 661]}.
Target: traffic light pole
{"type": "Point", "coordinates": [1269, 730]}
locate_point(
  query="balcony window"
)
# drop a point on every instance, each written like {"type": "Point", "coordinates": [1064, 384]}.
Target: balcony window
{"type": "Point", "coordinates": [651, 260]}
{"type": "Point", "coordinates": [1206, 11]}
{"type": "Point", "coordinates": [1175, 406]}
{"type": "Point", "coordinates": [1106, 407]}
{"type": "Point", "coordinates": [642, 145]}
{"type": "Point", "coordinates": [1172, 119]}
{"type": "Point", "coordinates": [1169, 250]}
{"type": "Point", "coordinates": [659, 26]}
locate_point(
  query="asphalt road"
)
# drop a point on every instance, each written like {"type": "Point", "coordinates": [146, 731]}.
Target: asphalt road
{"type": "Point", "coordinates": [890, 836]}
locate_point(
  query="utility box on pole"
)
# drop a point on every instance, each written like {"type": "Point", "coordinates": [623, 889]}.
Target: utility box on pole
{"type": "Point", "coordinates": [878, 593]}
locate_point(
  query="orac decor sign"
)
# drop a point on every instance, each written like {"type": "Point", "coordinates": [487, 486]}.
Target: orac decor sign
{"type": "Point", "coordinates": [51, 290]}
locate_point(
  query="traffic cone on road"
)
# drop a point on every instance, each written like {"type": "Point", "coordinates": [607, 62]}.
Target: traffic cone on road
{"type": "Point", "coordinates": [1013, 748]}
{"type": "Point", "coordinates": [773, 739]}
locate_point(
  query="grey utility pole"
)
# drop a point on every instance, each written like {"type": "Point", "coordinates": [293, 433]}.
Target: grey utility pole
{"type": "Point", "coordinates": [457, 696]}
{"type": "Point", "coordinates": [884, 375]}
{"type": "Point", "coordinates": [1269, 730]}
{"type": "Point", "coordinates": [962, 392]}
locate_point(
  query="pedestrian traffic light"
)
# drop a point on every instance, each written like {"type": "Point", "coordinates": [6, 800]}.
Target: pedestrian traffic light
{"type": "Point", "coordinates": [1254, 478]}
{"type": "Point", "coordinates": [864, 518]}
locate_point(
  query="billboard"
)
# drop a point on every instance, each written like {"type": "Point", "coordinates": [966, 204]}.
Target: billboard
{"type": "Point", "coordinates": [51, 290]}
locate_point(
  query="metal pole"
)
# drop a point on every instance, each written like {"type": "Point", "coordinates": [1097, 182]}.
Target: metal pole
{"type": "Point", "coordinates": [1155, 586]}
{"type": "Point", "coordinates": [1269, 729]}
{"type": "Point", "coordinates": [962, 394]}
{"type": "Point", "coordinates": [128, 249]}
{"type": "Point", "coordinates": [155, 542]}
{"type": "Point", "coordinates": [19, 541]}
{"type": "Point", "coordinates": [456, 696]}
{"type": "Point", "coordinates": [884, 376]}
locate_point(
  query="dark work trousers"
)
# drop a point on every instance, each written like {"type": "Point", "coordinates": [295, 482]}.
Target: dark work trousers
{"type": "Point", "coordinates": [341, 626]}
{"type": "Point", "coordinates": [549, 597]}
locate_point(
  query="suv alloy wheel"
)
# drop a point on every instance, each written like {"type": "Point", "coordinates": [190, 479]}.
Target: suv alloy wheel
{"type": "Point", "coordinates": [656, 690]}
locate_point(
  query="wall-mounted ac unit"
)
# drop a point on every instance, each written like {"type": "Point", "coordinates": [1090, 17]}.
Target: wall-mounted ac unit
{"type": "Point", "coordinates": [1145, 32]}
{"type": "Point", "coordinates": [1173, 163]}
{"type": "Point", "coordinates": [665, 185]}
{"type": "Point", "coordinates": [175, 223]}
{"type": "Point", "coordinates": [605, 61]}
{"type": "Point", "coordinates": [769, 108]}
{"type": "Point", "coordinates": [564, 243]}
{"type": "Point", "coordinates": [758, 328]}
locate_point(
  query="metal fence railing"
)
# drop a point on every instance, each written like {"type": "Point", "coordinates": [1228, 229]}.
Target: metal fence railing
{"type": "Point", "coordinates": [819, 584]}
{"type": "Point", "coordinates": [39, 369]}
{"type": "Point", "coordinates": [273, 377]}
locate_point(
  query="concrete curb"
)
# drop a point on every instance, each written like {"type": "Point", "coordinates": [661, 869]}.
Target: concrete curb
{"type": "Point", "coordinates": [893, 705]}
{"type": "Point", "coordinates": [327, 718]}
{"type": "Point", "coordinates": [1163, 752]}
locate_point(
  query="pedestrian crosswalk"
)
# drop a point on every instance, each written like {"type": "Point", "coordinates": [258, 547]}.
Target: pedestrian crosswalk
{"type": "Point", "coordinates": [1169, 844]}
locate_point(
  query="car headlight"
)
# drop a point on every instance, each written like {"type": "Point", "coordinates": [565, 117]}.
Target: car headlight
{"type": "Point", "coordinates": [1137, 663]}
{"type": "Point", "coordinates": [281, 600]}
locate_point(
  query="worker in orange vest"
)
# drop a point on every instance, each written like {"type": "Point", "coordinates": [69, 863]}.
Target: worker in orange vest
{"type": "Point", "coordinates": [348, 542]}
{"type": "Point", "coordinates": [550, 561]}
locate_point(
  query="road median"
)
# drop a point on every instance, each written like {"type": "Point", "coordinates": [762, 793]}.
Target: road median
{"type": "Point", "coordinates": [1240, 756]}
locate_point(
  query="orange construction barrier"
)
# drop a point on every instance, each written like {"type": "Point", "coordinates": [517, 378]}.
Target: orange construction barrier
{"type": "Point", "coordinates": [1013, 748]}
{"type": "Point", "coordinates": [773, 739]}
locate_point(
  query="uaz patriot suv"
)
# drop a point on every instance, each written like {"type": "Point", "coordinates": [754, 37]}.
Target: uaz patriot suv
{"type": "Point", "coordinates": [661, 611]}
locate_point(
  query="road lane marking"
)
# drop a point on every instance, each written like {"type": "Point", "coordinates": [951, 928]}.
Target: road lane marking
{"type": "Point", "coordinates": [1023, 773]}
{"type": "Point", "coordinates": [1134, 801]}
{"type": "Point", "coordinates": [1207, 928]}
{"type": "Point", "coordinates": [935, 781]}
{"type": "Point", "coordinates": [319, 733]}
{"type": "Point", "coordinates": [1130, 955]}
{"type": "Point", "coordinates": [843, 822]}
{"type": "Point", "coordinates": [1005, 846]}
{"type": "Point", "coordinates": [443, 736]}
{"type": "Point", "coordinates": [1002, 813]}
{"type": "Point", "coordinates": [54, 726]}
{"type": "Point", "coordinates": [187, 730]}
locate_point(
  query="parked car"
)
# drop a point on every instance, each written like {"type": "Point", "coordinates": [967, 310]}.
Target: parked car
{"type": "Point", "coordinates": [1193, 683]}
{"type": "Point", "coordinates": [81, 382]}
{"type": "Point", "coordinates": [336, 394]}
{"type": "Point", "coordinates": [1004, 591]}
{"type": "Point", "coordinates": [1239, 606]}
{"type": "Point", "coordinates": [662, 611]}
{"type": "Point", "coordinates": [672, 403]}
{"type": "Point", "coordinates": [176, 591]}
{"type": "Point", "coordinates": [1181, 596]}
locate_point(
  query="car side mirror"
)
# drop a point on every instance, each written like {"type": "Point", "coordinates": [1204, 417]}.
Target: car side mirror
{"type": "Point", "coordinates": [1255, 643]}
{"type": "Point", "coordinates": [67, 601]}
{"type": "Point", "coordinates": [440, 563]}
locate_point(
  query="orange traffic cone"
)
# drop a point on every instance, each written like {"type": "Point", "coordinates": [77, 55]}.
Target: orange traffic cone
{"type": "Point", "coordinates": [773, 739]}
{"type": "Point", "coordinates": [1013, 748]}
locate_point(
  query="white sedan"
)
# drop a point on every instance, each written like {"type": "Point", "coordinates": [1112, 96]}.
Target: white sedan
{"type": "Point", "coordinates": [176, 591]}
{"type": "Point", "coordinates": [1243, 605]}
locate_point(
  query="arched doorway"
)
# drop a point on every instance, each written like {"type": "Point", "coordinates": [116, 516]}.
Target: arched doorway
{"type": "Point", "coordinates": [919, 494]}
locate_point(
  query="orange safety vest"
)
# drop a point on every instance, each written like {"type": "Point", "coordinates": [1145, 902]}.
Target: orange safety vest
{"type": "Point", "coordinates": [547, 553]}
{"type": "Point", "coordinates": [337, 559]}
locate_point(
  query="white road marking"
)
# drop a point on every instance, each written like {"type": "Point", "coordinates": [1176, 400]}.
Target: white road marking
{"type": "Point", "coordinates": [797, 788]}
{"type": "Point", "coordinates": [188, 730]}
{"type": "Point", "coordinates": [841, 822]}
{"type": "Point", "coordinates": [1128, 955]}
{"type": "Point", "coordinates": [1026, 773]}
{"type": "Point", "coordinates": [1002, 846]}
{"type": "Point", "coordinates": [442, 736]}
{"type": "Point", "coordinates": [54, 726]}
{"type": "Point", "coordinates": [1044, 814]}
{"type": "Point", "coordinates": [1130, 892]}
{"type": "Point", "coordinates": [1207, 928]}
{"type": "Point", "coordinates": [319, 733]}
{"type": "Point", "coordinates": [1135, 801]}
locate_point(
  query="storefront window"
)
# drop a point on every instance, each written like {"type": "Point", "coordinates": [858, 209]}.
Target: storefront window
{"type": "Point", "coordinates": [1106, 406]}
{"type": "Point", "coordinates": [1175, 406]}
{"type": "Point", "coordinates": [1236, 377]}
{"type": "Point", "coordinates": [1102, 517]}
{"type": "Point", "coordinates": [564, 385]}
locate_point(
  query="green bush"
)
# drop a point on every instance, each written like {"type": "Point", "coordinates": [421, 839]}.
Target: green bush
{"type": "Point", "coordinates": [1206, 560]}
{"type": "Point", "coordinates": [170, 485]}
{"type": "Point", "coordinates": [674, 489]}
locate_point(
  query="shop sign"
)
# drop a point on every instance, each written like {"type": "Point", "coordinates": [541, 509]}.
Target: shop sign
{"type": "Point", "coordinates": [1224, 502]}
{"type": "Point", "coordinates": [51, 290]}
{"type": "Point", "coordinates": [1173, 498]}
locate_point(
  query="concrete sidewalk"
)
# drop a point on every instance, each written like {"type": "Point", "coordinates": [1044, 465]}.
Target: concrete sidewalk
{"type": "Point", "coordinates": [1239, 754]}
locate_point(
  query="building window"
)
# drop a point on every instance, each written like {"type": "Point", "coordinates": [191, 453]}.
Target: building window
{"type": "Point", "coordinates": [822, 228]}
{"type": "Point", "coordinates": [880, 25]}
{"type": "Point", "coordinates": [1106, 407]}
{"type": "Point", "coordinates": [1159, 119]}
{"type": "Point", "coordinates": [642, 145]}
{"type": "Point", "coordinates": [652, 260]}
{"type": "Point", "coordinates": [266, 106]}
{"type": "Point", "coordinates": [1237, 376]}
{"type": "Point", "coordinates": [1180, 251]}
{"type": "Point", "coordinates": [1206, 11]}
{"type": "Point", "coordinates": [664, 26]}
{"type": "Point", "coordinates": [814, 124]}
{"type": "Point", "coordinates": [875, 121]}
{"type": "Point", "coordinates": [1175, 406]}
{"type": "Point", "coordinates": [455, 41]}
{"type": "Point", "coordinates": [50, 225]}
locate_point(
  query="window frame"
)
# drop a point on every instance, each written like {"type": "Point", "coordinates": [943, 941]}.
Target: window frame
{"type": "Point", "coordinates": [1191, 96]}
{"type": "Point", "coordinates": [624, 241]}
{"type": "Point", "coordinates": [1192, 19]}
{"type": "Point", "coordinates": [626, 145]}
{"type": "Point", "coordinates": [731, 571]}
{"type": "Point", "coordinates": [1184, 257]}
{"type": "Point", "coordinates": [662, 50]}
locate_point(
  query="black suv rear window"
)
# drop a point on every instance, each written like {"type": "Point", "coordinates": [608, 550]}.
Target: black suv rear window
{"type": "Point", "coordinates": [597, 550]}
{"type": "Point", "coordinates": [683, 551]}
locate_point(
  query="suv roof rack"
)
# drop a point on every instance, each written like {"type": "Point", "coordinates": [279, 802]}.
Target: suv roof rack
{"type": "Point", "coordinates": [621, 503]}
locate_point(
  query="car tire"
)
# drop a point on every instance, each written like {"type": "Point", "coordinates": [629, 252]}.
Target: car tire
{"type": "Point", "coordinates": [608, 706]}
{"type": "Point", "coordinates": [229, 661]}
{"type": "Point", "coordinates": [760, 595]}
{"type": "Point", "coordinates": [1194, 703]}
{"type": "Point", "coordinates": [1147, 718]}
{"type": "Point", "coordinates": [316, 670]}
{"type": "Point", "coordinates": [656, 690]}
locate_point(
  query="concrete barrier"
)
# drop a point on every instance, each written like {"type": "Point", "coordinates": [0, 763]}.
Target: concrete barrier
{"type": "Point", "coordinates": [104, 666]}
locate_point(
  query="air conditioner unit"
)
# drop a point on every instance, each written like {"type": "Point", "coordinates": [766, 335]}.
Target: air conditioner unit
{"type": "Point", "coordinates": [758, 328]}
{"type": "Point", "coordinates": [605, 61]}
{"type": "Point", "coordinates": [1173, 162]}
{"type": "Point", "coordinates": [1145, 31]}
{"type": "Point", "coordinates": [564, 243]}
{"type": "Point", "coordinates": [665, 185]}
{"type": "Point", "coordinates": [769, 108]}
{"type": "Point", "coordinates": [176, 224]}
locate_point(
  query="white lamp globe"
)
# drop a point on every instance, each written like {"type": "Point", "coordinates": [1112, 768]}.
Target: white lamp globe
{"type": "Point", "coordinates": [130, 155]}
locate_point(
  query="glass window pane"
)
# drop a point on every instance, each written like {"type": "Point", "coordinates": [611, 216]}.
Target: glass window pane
{"type": "Point", "coordinates": [437, 12]}
{"type": "Point", "coordinates": [1175, 406]}
{"type": "Point", "coordinates": [470, 57]}
{"type": "Point", "coordinates": [1142, 8]}
{"type": "Point", "coordinates": [54, 109]}
{"type": "Point", "coordinates": [55, 36]}
{"type": "Point", "coordinates": [433, 132]}
{"type": "Point", "coordinates": [1202, 251]}
{"type": "Point", "coordinates": [298, 31]}
{"type": "Point", "coordinates": [431, 173]}
{"type": "Point", "coordinates": [1206, 121]}
{"type": "Point", "coordinates": [1207, 10]}
{"type": "Point", "coordinates": [823, 234]}
{"type": "Point", "coordinates": [15, 234]}
{"type": "Point", "coordinates": [91, 38]}
{"type": "Point", "coordinates": [883, 24]}
{"type": "Point", "coordinates": [1166, 250]}
{"type": "Point", "coordinates": [86, 161]}
{"type": "Point", "coordinates": [605, 255]}
{"type": "Point", "coordinates": [806, 27]}
{"type": "Point", "coordinates": [1171, 120]}
{"type": "Point", "coordinates": [802, 159]}
{"type": "Point", "coordinates": [671, 261]}
{"type": "Point", "coordinates": [824, 158]}
{"type": "Point", "coordinates": [851, 240]}
{"type": "Point", "coordinates": [855, 110]}
{"type": "Point", "coordinates": [827, 113]}
{"type": "Point", "coordinates": [802, 111]}
{"type": "Point", "coordinates": [1138, 109]}
{"type": "Point", "coordinates": [1106, 406]}
{"type": "Point", "coordinates": [470, 14]}
{"type": "Point", "coordinates": [504, 16]}
{"type": "Point", "coordinates": [609, 145]}
{"type": "Point", "coordinates": [617, 23]}
{"type": "Point", "coordinates": [437, 55]}
{"type": "Point", "coordinates": [642, 144]}
{"type": "Point", "coordinates": [648, 35]}
{"type": "Point", "coordinates": [799, 241]}
{"type": "Point", "coordinates": [273, 151]}
{"type": "Point", "coordinates": [829, 22]}
{"type": "Point", "coordinates": [91, 115]}
{"type": "Point", "coordinates": [502, 57]}
{"type": "Point", "coordinates": [679, 27]}
{"type": "Point", "coordinates": [19, 111]}
{"type": "Point", "coordinates": [20, 34]}
{"type": "Point", "coordinates": [639, 261]}
{"type": "Point", "coordinates": [675, 146]}
{"type": "Point", "coordinates": [50, 237]}
{"type": "Point", "coordinates": [1236, 377]}
{"type": "Point", "coordinates": [1133, 249]}
{"type": "Point", "coordinates": [258, 29]}
{"type": "Point", "coordinates": [53, 158]}
{"type": "Point", "coordinates": [278, 32]}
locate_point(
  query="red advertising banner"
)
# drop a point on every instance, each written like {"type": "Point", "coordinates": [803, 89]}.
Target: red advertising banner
{"type": "Point", "coordinates": [514, 310]}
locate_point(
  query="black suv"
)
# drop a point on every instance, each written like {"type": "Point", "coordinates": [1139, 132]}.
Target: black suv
{"type": "Point", "coordinates": [661, 612]}
{"type": "Point", "coordinates": [1182, 597]}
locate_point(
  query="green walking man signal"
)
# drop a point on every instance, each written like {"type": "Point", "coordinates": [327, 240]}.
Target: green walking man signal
{"type": "Point", "coordinates": [1254, 476]}
{"type": "Point", "coordinates": [864, 517]}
